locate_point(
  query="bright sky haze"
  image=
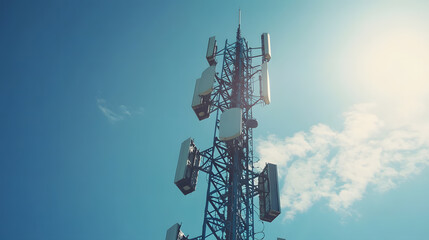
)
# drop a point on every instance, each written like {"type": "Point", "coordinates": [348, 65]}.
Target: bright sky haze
{"type": "Point", "coordinates": [95, 100]}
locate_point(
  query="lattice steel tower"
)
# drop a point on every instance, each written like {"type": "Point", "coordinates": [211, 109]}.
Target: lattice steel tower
{"type": "Point", "coordinates": [232, 182]}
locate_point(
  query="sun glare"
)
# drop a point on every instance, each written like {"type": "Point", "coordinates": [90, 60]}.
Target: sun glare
{"type": "Point", "coordinates": [386, 61]}
{"type": "Point", "coordinates": [396, 64]}
{"type": "Point", "coordinates": [388, 56]}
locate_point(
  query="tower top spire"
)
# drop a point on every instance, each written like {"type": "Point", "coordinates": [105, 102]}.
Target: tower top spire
{"type": "Point", "coordinates": [239, 25]}
{"type": "Point", "coordinates": [239, 17]}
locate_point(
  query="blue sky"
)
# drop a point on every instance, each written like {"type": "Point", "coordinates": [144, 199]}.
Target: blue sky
{"type": "Point", "coordinates": [95, 100]}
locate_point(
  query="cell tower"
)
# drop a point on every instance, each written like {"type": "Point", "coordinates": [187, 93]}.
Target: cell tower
{"type": "Point", "coordinates": [229, 163]}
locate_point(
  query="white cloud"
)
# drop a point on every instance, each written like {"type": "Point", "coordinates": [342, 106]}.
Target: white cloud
{"type": "Point", "coordinates": [125, 110]}
{"type": "Point", "coordinates": [340, 166]}
{"type": "Point", "coordinates": [120, 114]}
{"type": "Point", "coordinates": [109, 114]}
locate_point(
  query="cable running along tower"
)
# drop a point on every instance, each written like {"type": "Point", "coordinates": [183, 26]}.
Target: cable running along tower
{"type": "Point", "coordinates": [229, 163]}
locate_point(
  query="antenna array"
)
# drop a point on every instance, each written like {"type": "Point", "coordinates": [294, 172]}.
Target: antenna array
{"type": "Point", "coordinates": [229, 163]}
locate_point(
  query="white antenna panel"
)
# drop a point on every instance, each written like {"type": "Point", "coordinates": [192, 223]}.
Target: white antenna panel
{"type": "Point", "coordinates": [211, 51]}
{"type": "Point", "coordinates": [204, 85]}
{"type": "Point", "coordinates": [207, 81]}
{"type": "Point", "coordinates": [196, 100]}
{"type": "Point", "coordinates": [265, 84]}
{"type": "Point", "coordinates": [231, 124]}
{"type": "Point", "coordinates": [266, 46]}
{"type": "Point", "coordinates": [183, 160]}
{"type": "Point", "coordinates": [269, 197]}
{"type": "Point", "coordinates": [174, 233]}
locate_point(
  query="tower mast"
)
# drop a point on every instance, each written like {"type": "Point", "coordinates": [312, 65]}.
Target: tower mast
{"type": "Point", "coordinates": [229, 208]}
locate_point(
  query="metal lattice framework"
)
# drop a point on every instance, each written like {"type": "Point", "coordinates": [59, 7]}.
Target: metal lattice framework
{"type": "Point", "coordinates": [229, 209]}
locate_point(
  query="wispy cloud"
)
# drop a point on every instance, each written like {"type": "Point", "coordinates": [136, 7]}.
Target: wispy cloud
{"type": "Point", "coordinates": [122, 112]}
{"type": "Point", "coordinates": [340, 166]}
